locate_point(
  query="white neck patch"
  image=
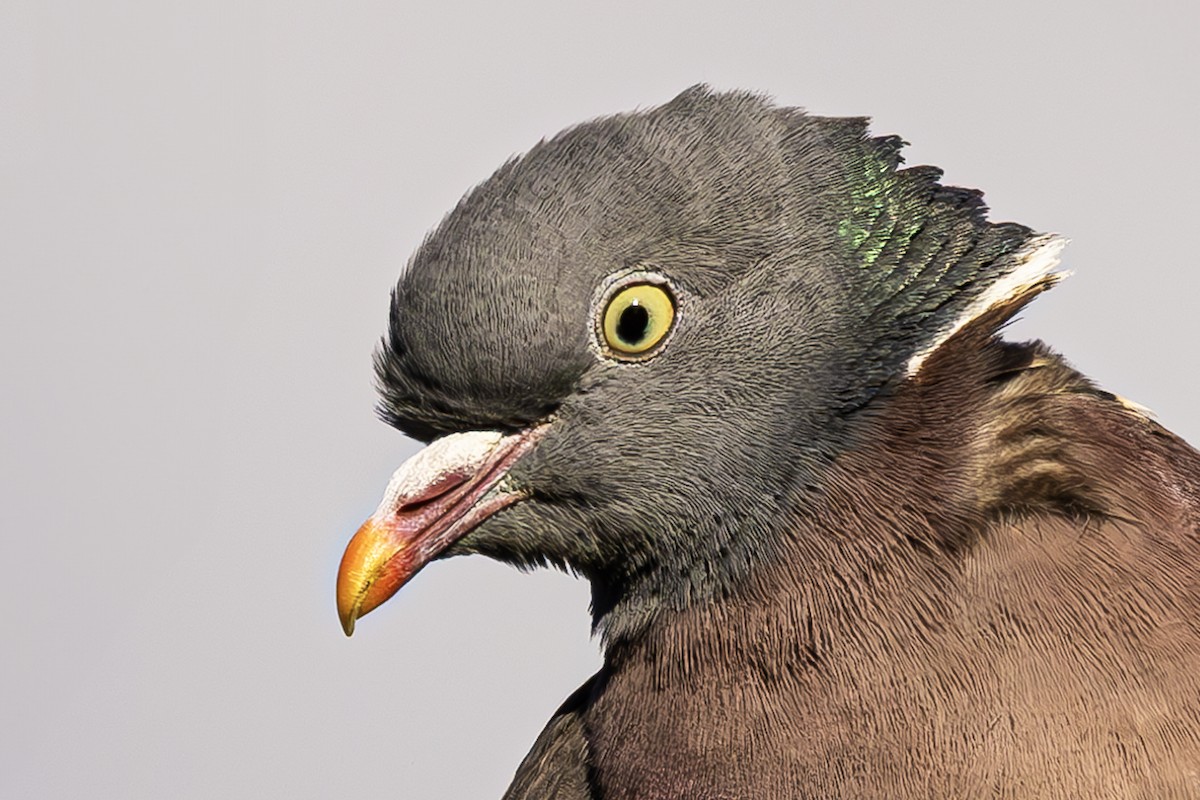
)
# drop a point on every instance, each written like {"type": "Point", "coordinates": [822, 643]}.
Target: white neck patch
{"type": "Point", "coordinates": [1035, 263]}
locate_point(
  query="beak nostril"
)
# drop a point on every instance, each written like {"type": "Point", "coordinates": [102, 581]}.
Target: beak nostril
{"type": "Point", "coordinates": [435, 492]}
{"type": "Point", "coordinates": [440, 487]}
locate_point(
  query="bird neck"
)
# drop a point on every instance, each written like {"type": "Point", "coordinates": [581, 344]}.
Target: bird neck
{"type": "Point", "coordinates": [868, 549]}
{"type": "Point", "coordinates": [711, 559]}
{"type": "Point", "coordinates": [872, 542]}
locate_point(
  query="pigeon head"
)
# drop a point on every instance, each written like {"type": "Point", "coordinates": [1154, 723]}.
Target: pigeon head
{"type": "Point", "coordinates": [634, 349]}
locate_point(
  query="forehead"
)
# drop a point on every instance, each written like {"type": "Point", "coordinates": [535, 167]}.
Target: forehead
{"type": "Point", "coordinates": [704, 184]}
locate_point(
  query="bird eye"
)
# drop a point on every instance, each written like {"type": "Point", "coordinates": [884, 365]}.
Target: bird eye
{"type": "Point", "coordinates": [637, 318]}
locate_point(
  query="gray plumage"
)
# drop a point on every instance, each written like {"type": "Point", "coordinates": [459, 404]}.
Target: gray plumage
{"type": "Point", "coordinates": [843, 541]}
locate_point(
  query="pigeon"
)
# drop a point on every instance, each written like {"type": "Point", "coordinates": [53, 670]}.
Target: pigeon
{"type": "Point", "coordinates": [743, 371]}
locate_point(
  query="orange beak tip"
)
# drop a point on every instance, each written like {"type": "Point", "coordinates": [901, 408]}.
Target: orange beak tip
{"type": "Point", "coordinates": [347, 613]}
{"type": "Point", "coordinates": [367, 576]}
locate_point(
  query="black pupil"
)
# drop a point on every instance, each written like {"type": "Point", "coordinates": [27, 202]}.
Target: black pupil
{"type": "Point", "coordinates": [633, 324]}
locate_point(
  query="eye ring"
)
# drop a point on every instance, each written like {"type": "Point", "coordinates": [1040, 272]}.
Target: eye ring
{"type": "Point", "coordinates": [636, 317]}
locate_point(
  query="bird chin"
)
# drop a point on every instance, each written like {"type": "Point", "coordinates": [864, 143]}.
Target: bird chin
{"type": "Point", "coordinates": [434, 499]}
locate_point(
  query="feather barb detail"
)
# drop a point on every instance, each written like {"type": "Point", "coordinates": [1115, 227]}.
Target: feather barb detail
{"type": "Point", "coordinates": [1034, 263]}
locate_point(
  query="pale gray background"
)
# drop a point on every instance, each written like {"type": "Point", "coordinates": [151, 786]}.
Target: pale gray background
{"type": "Point", "coordinates": [202, 208]}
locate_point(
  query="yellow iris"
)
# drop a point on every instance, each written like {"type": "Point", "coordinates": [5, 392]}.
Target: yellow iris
{"type": "Point", "coordinates": [637, 318]}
